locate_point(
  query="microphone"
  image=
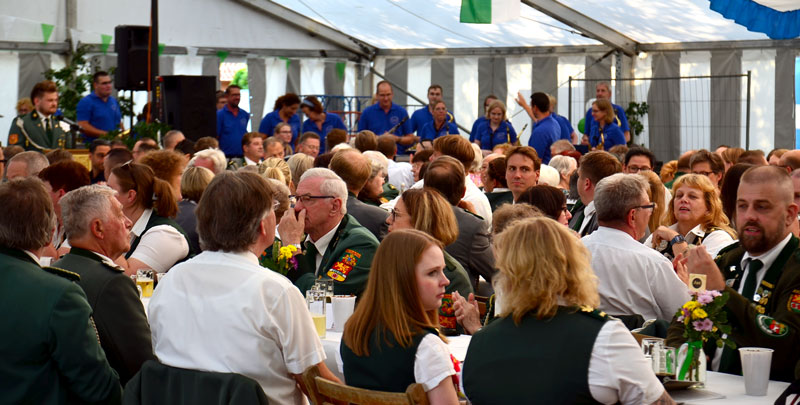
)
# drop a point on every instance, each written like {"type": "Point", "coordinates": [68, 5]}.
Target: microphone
{"type": "Point", "coordinates": [61, 117]}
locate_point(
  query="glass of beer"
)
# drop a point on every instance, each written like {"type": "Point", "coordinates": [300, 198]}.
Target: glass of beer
{"type": "Point", "coordinates": [316, 306]}
{"type": "Point", "coordinates": [144, 279]}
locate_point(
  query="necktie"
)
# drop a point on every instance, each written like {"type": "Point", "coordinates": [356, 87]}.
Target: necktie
{"type": "Point", "coordinates": [752, 275]}
{"type": "Point", "coordinates": [48, 127]}
{"type": "Point", "coordinates": [577, 226]}
{"type": "Point", "coordinates": [311, 255]}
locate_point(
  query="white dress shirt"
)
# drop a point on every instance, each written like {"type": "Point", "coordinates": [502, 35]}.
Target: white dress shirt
{"type": "Point", "coordinates": [161, 247]}
{"type": "Point", "coordinates": [714, 241]}
{"type": "Point", "coordinates": [248, 162]}
{"type": "Point", "coordinates": [473, 194]}
{"type": "Point", "coordinates": [432, 362]}
{"type": "Point", "coordinates": [633, 278]}
{"type": "Point", "coordinates": [223, 312]}
{"type": "Point", "coordinates": [400, 175]}
{"type": "Point", "coordinates": [588, 212]}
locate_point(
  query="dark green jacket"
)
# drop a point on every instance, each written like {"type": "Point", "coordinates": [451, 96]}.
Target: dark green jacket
{"type": "Point", "coordinates": [49, 353]}
{"type": "Point", "coordinates": [32, 125]}
{"type": "Point", "coordinates": [118, 312]}
{"type": "Point", "coordinates": [776, 328]}
{"type": "Point", "coordinates": [499, 198]}
{"type": "Point", "coordinates": [347, 260]}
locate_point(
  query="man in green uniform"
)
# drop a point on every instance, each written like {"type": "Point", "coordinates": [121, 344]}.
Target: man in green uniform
{"type": "Point", "coordinates": [99, 231]}
{"type": "Point", "coordinates": [49, 350]}
{"type": "Point", "coordinates": [38, 129]}
{"type": "Point", "coordinates": [336, 247]}
{"type": "Point", "coordinates": [761, 273]}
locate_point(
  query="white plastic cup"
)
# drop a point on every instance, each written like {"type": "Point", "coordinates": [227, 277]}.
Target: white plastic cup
{"type": "Point", "coordinates": [343, 307]}
{"type": "Point", "coordinates": [756, 363]}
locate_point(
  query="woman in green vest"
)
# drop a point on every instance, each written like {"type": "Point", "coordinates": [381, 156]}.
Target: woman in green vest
{"type": "Point", "coordinates": [157, 242]}
{"type": "Point", "coordinates": [548, 345]}
{"type": "Point", "coordinates": [426, 210]}
{"type": "Point", "coordinates": [391, 340]}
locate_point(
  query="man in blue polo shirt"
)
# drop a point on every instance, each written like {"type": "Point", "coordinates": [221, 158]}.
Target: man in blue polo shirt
{"type": "Point", "coordinates": [425, 115]}
{"type": "Point", "coordinates": [232, 123]}
{"type": "Point", "coordinates": [387, 117]}
{"type": "Point", "coordinates": [603, 90]}
{"type": "Point", "coordinates": [98, 113]}
{"type": "Point", "coordinates": [546, 130]}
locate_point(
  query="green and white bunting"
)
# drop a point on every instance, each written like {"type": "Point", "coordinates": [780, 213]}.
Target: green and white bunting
{"type": "Point", "coordinates": [488, 11]}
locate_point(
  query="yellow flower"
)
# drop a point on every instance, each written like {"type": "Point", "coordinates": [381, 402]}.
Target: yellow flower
{"type": "Point", "coordinates": [690, 305]}
{"type": "Point", "coordinates": [699, 313]}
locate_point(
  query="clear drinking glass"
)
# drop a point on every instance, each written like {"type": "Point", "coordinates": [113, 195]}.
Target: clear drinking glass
{"type": "Point", "coordinates": [315, 298]}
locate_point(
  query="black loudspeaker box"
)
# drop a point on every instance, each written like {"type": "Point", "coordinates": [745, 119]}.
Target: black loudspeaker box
{"type": "Point", "coordinates": [130, 43]}
{"type": "Point", "coordinates": [189, 105]}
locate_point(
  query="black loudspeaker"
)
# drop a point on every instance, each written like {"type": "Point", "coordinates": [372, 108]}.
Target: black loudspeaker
{"type": "Point", "coordinates": [189, 105]}
{"type": "Point", "coordinates": [130, 43]}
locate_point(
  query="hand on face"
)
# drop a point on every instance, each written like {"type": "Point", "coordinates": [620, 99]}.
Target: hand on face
{"type": "Point", "coordinates": [292, 227]}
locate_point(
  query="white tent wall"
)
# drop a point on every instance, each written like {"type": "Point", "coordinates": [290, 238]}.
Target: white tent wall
{"type": "Point", "coordinates": [695, 109]}
{"type": "Point", "coordinates": [518, 76]}
{"type": "Point", "coordinates": [9, 71]}
{"type": "Point", "coordinates": [419, 79]}
{"type": "Point", "coordinates": [761, 63]}
{"type": "Point", "coordinates": [465, 92]}
{"type": "Point", "coordinates": [642, 69]}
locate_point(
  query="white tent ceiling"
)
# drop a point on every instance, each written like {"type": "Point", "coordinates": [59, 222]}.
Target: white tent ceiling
{"type": "Point", "coordinates": [400, 24]}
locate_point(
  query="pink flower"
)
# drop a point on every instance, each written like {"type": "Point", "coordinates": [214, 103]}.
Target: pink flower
{"type": "Point", "coordinates": [680, 318]}
{"type": "Point", "coordinates": [705, 297]}
{"type": "Point", "coordinates": [715, 293]}
{"type": "Point", "coordinates": [704, 325]}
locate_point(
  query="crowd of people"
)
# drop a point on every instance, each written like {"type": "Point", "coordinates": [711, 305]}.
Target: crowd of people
{"type": "Point", "coordinates": [558, 246]}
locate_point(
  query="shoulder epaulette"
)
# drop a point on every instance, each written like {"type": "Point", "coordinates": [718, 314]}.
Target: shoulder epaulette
{"type": "Point", "coordinates": [69, 275]}
{"type": "Point", "coordinates": [391, 186]}
{"type": "Point", "coordinates": [592, 312]}
{"type": "Point", "coordinates": [727, 249]}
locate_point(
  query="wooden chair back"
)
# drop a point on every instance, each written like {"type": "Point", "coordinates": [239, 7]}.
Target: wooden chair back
{"type": "Point", "coordinates": [324, 392]}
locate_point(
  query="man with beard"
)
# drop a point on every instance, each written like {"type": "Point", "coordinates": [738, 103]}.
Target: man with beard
{"type": "Point", "coordinates": [761, 273]}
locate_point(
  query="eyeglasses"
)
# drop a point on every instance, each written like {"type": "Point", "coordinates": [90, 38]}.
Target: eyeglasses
{"type": "Point", "coordinates": [637, 169]}
{"type": "Point", "coordinates": [651, 206]}
{"type": "Point", "coordinates": [307, 198]}
{"type": "Point", "coordinates": [393, 213]}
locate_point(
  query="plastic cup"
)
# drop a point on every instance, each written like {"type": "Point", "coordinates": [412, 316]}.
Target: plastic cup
{"type": "Point", "coordinates": [756, 363]}
{"type": "Point", "coordinates": [343, 307]}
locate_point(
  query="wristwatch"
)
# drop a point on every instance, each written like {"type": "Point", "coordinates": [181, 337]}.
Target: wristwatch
{"type": "Point", "coordinates": [677, 239]}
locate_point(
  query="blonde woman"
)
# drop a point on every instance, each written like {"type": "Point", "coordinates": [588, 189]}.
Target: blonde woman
{"type": "Point", "coordinates": [606, 134]}
{"type": "Point", "coordinates": [656, 192]}
{"type": "Point", "coordinates": [391, 340]}
{"type": "Point", "coordinates": [278, 169]}
{"type": "Point", "coordinates": [547, 342]}
{"type": "Point", "coordinates": [496, 130]}
{"type": "Point", "coordinates": [696, 218]}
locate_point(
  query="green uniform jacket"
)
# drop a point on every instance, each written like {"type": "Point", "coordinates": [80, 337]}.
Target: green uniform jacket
{"type": "Point", "coordinates": [118, 311]}
{"type": "Point", "coordinates": [776, 328]}
{"type": "Point", "coordinates": [32, 123]}
{"type": "Point", "coordinates": [49, 349]}
{"type": "Point", "coordinates": [499, 198]}
{"type": "Point", "coordinates": [347, 260]}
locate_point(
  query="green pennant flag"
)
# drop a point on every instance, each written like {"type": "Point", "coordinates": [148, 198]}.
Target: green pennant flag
{"type": "Point", "coordinates": [161, 48]}
{"type": "Point", "coordinates": [288, 62]}
{"type": "Point", "coordinates": [222, 55]}
{"type": "Point", "coordinates": [47, 30]}
{"type": "Point", "coordinates": [106, 41]}
{"type": "Point", "coordinates": [476, 11]}
{"type": "Point", "coordinates": [340, 69]}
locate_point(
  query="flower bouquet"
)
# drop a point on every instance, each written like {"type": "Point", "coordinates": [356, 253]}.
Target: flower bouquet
{"type": "Point", "coordinates": [704, 319]}
{"type": "Point", "coordinates": [279, 258]}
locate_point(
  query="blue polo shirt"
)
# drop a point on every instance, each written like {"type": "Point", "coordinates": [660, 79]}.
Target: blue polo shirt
{"type": "Point", "coordinates": [505, 133]}
{"type": "Point", "coordinates": [422, 117]}
{"type": "Point", "coordinates": [331, 121]}
{"type": "Point", "coordinates": [430, 132]}
{"type": "Point", "coordinates": [230, 130]}
{"type": "Point", "coordinates": [103, 115]}
{"type": "Point", "coordinates": [376, 120]}
{"type": "Point", "coordinates": [475, 126]}
{"type": "Point", "coordinates": [621, 120]}
{"type": "Point", "coordinates": [612, 136]}
{"type": "Point", "coordinates": [544, 133]}
{"type": "Point", "coordinates": [267, 126]}
{"type": "Point", "coordinates": [566, 127]}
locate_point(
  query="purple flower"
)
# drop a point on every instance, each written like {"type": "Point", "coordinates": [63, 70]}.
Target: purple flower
{"type": "Point", "coordinates": [704, 325]}
{"type": "Point", "coordinates": [680, 318]}
{"type": "Point", "coordinates": [705, 297]}
{"type": "Point", "coordinates": [715, 293]}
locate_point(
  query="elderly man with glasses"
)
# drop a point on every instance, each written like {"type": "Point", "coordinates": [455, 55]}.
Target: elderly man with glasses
{"type": "Point", "coordinates": [336, 246]}
{"type": "Point", "coordinates": [632, 278]}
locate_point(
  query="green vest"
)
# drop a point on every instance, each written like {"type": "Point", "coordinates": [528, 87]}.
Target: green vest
{"type": "Point", "coordinates": [546, 360]}
{"type": "Point", "coordinates": [156, 220]}
{"type": "Point", "coordinates": [389, 366]}
{"type": "Point", "coordinates": [498, 199]}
